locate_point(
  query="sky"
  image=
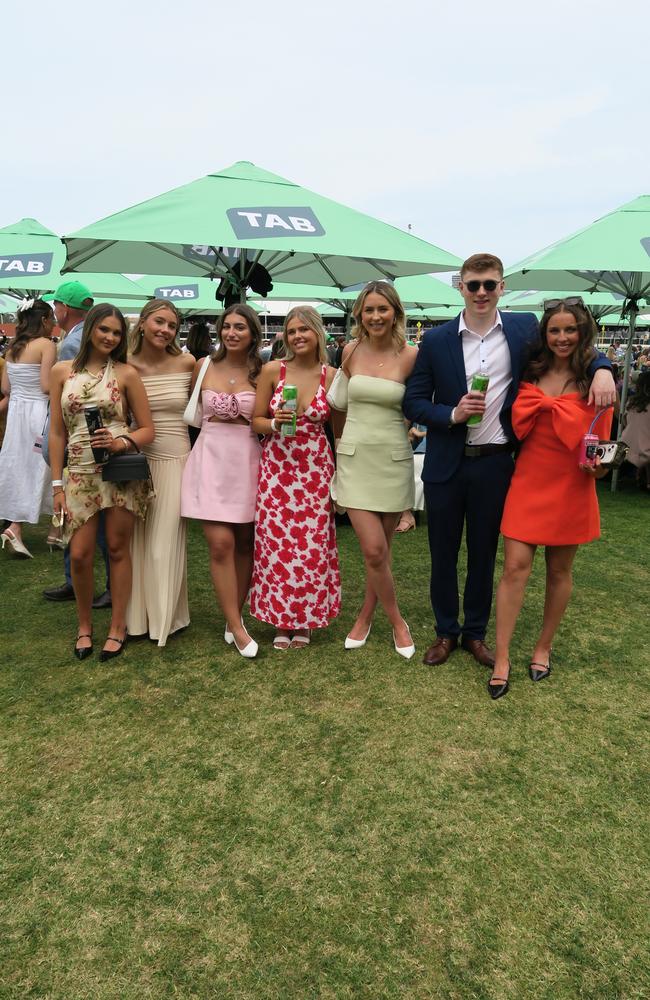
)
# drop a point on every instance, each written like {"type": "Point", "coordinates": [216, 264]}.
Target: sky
{"type": "Point", "coordinates": [499, 127]}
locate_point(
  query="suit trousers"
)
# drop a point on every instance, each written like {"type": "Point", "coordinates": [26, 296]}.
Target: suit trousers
{"type": "Point", "coordinates": [473, 498]}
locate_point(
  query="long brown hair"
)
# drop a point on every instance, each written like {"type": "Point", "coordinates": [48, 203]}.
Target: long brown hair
{"type": "Point", "coordinates": [253, 357]}
{"type": "Point", "coordinates": [153, 306]}
{"type": "Point", "coordinates": [95, 316]}
{"type": "Point", "coordinates": [387, 290]}
{"type": "Point", "coordinates": [543, 358]}
{"type": "Point", "coordinates": [29, 327]}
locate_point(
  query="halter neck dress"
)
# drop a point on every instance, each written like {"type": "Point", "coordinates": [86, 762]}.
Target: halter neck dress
{"type": "Point", "coordinates": [86, 493]}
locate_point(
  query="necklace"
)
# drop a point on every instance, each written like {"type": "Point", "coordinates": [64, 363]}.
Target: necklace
{"type": "Point", "coordinates": [239, 368]}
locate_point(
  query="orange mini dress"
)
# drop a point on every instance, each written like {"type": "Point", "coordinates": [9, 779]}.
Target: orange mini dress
{"type": "Point", "coordinates": [551, 501]}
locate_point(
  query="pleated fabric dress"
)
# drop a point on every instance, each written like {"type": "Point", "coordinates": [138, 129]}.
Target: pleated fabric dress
{"type": "Point", "coordinates": [158, 603]}
{"type": "Point", "coordinates": [551, 500]}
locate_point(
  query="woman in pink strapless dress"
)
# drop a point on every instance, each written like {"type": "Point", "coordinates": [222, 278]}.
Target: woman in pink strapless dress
{"type": "Point", "coordinates": [220, 478]}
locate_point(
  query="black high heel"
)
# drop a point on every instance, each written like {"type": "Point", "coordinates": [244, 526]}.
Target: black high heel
{"type": "Point", "coordinates": [498, 690]}
{"type": "Point", "coordinates": [542, 673]}
{"type": "Point", "coordinates": [110, 654]}
{"type": "Point", "coordinates": [85, 651]}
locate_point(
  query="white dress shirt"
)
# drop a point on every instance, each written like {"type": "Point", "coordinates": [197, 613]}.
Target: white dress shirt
{"type": "Point", "coordinates": [487, 352]}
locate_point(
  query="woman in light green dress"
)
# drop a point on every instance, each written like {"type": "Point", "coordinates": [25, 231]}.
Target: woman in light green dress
{"type": "Point", "coordinates": [374, 478]}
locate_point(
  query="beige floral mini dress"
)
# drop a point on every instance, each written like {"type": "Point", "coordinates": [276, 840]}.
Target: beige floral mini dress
{"type": "Point", "coordinates": [86, 493]}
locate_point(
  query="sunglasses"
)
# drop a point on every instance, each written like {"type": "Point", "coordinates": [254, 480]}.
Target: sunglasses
{"type": "Point", "coordinates": [572, 300]}
{"type": "Point", "coordinates": [489, 285]}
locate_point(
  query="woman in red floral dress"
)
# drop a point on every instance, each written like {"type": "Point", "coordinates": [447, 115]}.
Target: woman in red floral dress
{"type": "Point", "coordinates": [296, 584]}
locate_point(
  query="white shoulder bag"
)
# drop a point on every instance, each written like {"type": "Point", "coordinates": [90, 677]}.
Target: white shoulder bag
{"type": "Point", "coordinates": [193, 414]}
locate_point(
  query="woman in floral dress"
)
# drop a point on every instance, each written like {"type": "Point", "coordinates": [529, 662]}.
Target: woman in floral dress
{"type": "Point", "coordinates": [296, 584]}
{"type": "Point", "coordinates": [98, 377]}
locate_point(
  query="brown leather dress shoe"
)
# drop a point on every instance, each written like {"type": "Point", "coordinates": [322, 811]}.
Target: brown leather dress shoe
{"type": "Point", "coordinates": [440, 651]}
{"type": "Point", "coordinates": [481, 653]}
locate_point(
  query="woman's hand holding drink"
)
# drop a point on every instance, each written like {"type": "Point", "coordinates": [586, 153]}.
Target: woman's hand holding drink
{"type": "Point", "coordinates": [290, 406]}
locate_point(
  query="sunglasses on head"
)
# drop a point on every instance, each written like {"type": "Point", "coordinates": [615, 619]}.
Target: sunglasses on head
{"type": "Point", "coordinates": [572, 300]}
{"type": "Point", "coordinates": [489, 285]}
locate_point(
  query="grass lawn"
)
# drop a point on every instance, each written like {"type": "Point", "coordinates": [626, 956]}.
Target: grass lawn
{"type": "Point", "coordinates": [184, 823]}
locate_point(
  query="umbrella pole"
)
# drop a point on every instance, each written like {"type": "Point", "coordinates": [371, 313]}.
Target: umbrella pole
{"type": "Point", "coordinates": [626, 379]}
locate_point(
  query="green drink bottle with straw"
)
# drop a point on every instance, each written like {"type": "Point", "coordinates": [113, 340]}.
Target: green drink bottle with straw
{"type": "Point", "coordinates": [289, 402]}
{"type": "Point", "coordinates": [480, 383]}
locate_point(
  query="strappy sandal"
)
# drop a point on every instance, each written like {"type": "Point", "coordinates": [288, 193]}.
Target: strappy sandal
{"type": "Point", "coordinates": [281, 642]}
{"type": "Point", "coordinates": [300, 641]}
{"type": "Point", "coordinates": [408, 521]}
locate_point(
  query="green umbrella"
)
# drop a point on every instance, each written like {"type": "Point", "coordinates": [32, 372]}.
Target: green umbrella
{"type": "Point", "coordinates": [31, 257]}
{"type": "Point", "coordinates": [7, 305]}
{"type": "Point", "coordinates": [30, 254]}
{"type": "Point", "coordinates": [613, 254]}
{"type": "Point", "coordinates": [223, 224]}
{"type": "Point", "coordinates": [415, 291]}
{"type": "Point", "coordinates": [191, 296]}
{"type": "Point", "coordinates": [599, 303]}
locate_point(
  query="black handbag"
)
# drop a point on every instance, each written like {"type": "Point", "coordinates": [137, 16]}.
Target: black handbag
{"type": "Point", "coordinates": [128, 467]}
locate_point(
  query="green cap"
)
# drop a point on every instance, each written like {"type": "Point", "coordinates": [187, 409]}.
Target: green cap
{"type": "Point", "coordinates": [73, 294]}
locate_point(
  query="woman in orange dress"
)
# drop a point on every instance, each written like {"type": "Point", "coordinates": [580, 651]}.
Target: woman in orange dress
{"type": "Point", "coordinates": [552, 498]}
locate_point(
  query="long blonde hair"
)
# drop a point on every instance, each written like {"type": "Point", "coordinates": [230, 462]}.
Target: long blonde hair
{"type": "Point", "coordinates": [153, 306]}
{"type": "Point", "coordinates": [311, 318]}
{"type": "Point", "coordinates": [387, 291]}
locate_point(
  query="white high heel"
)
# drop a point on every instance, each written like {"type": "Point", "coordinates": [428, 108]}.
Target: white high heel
{"type": "Point", "coordinates": [357, 643]}
{"type": "Point", "coordinates": [15, 544]}
{"type": "Point", "coordinates": [405, 651]}
{"type": "Point", "coordinates": [249, 650]}
{"type": "Point", "coordinates": [228, 636]}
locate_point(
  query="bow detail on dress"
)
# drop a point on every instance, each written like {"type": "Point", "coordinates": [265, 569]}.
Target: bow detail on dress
{"type": "Point", "coordinates": [568, 414]}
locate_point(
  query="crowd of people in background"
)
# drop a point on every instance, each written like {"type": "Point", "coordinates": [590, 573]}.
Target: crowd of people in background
{"type": "Point", "coordinates": [265, 443]}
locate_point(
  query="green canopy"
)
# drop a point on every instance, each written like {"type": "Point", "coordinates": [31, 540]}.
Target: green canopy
{"type": "Point", "coordinates": [7, 305]}
{"type": "Point", "coordinates": [31, 257]}
{"type": "Point", "coordinates": [600, 303]}
{"type": "Point", "coordinates": [222, 224]}
{"type": "Point", "coordinates": [416, 291]}
{"type": "Point", "coordinates": [189, 295]}
{"type": "Point", "coordinates": [30, 254]}
{"type": "Point", "coordinates": [613, 254]}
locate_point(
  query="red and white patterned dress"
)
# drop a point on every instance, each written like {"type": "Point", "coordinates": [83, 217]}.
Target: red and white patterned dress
{"type": "Point", "coordinates": [296, 582]}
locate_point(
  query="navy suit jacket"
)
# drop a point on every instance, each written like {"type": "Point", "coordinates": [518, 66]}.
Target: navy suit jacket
{"type": "Point", "coordinates": [439, 380]}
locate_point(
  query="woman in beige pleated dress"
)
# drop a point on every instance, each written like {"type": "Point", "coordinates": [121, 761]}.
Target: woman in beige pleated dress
{"type": "Point", "coordinates": [158, 604]}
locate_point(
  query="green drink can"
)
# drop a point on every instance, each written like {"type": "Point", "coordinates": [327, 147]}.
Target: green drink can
{"type": "Point", "coordinates": [289, 402]}
{"type": "Point", "coordinates": [480, 383]}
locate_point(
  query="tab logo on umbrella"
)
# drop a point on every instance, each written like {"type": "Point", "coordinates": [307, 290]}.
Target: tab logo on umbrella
{"type": "Point", "coordinates": [35, 263]}
{"type": "Point", "coordinates": [267, 220]}
{"type": "Point", "coordinates": [177, 292]}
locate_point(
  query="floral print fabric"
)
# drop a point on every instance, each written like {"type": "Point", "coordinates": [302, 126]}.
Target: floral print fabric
{"type": "Point", "coordinates": [296, 582]}
{"type": "Point", "coordinates": [86, 493]}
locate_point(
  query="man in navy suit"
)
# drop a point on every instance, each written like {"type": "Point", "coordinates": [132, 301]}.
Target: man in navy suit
{"type": "Point", "coordinates": [467, 469]}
